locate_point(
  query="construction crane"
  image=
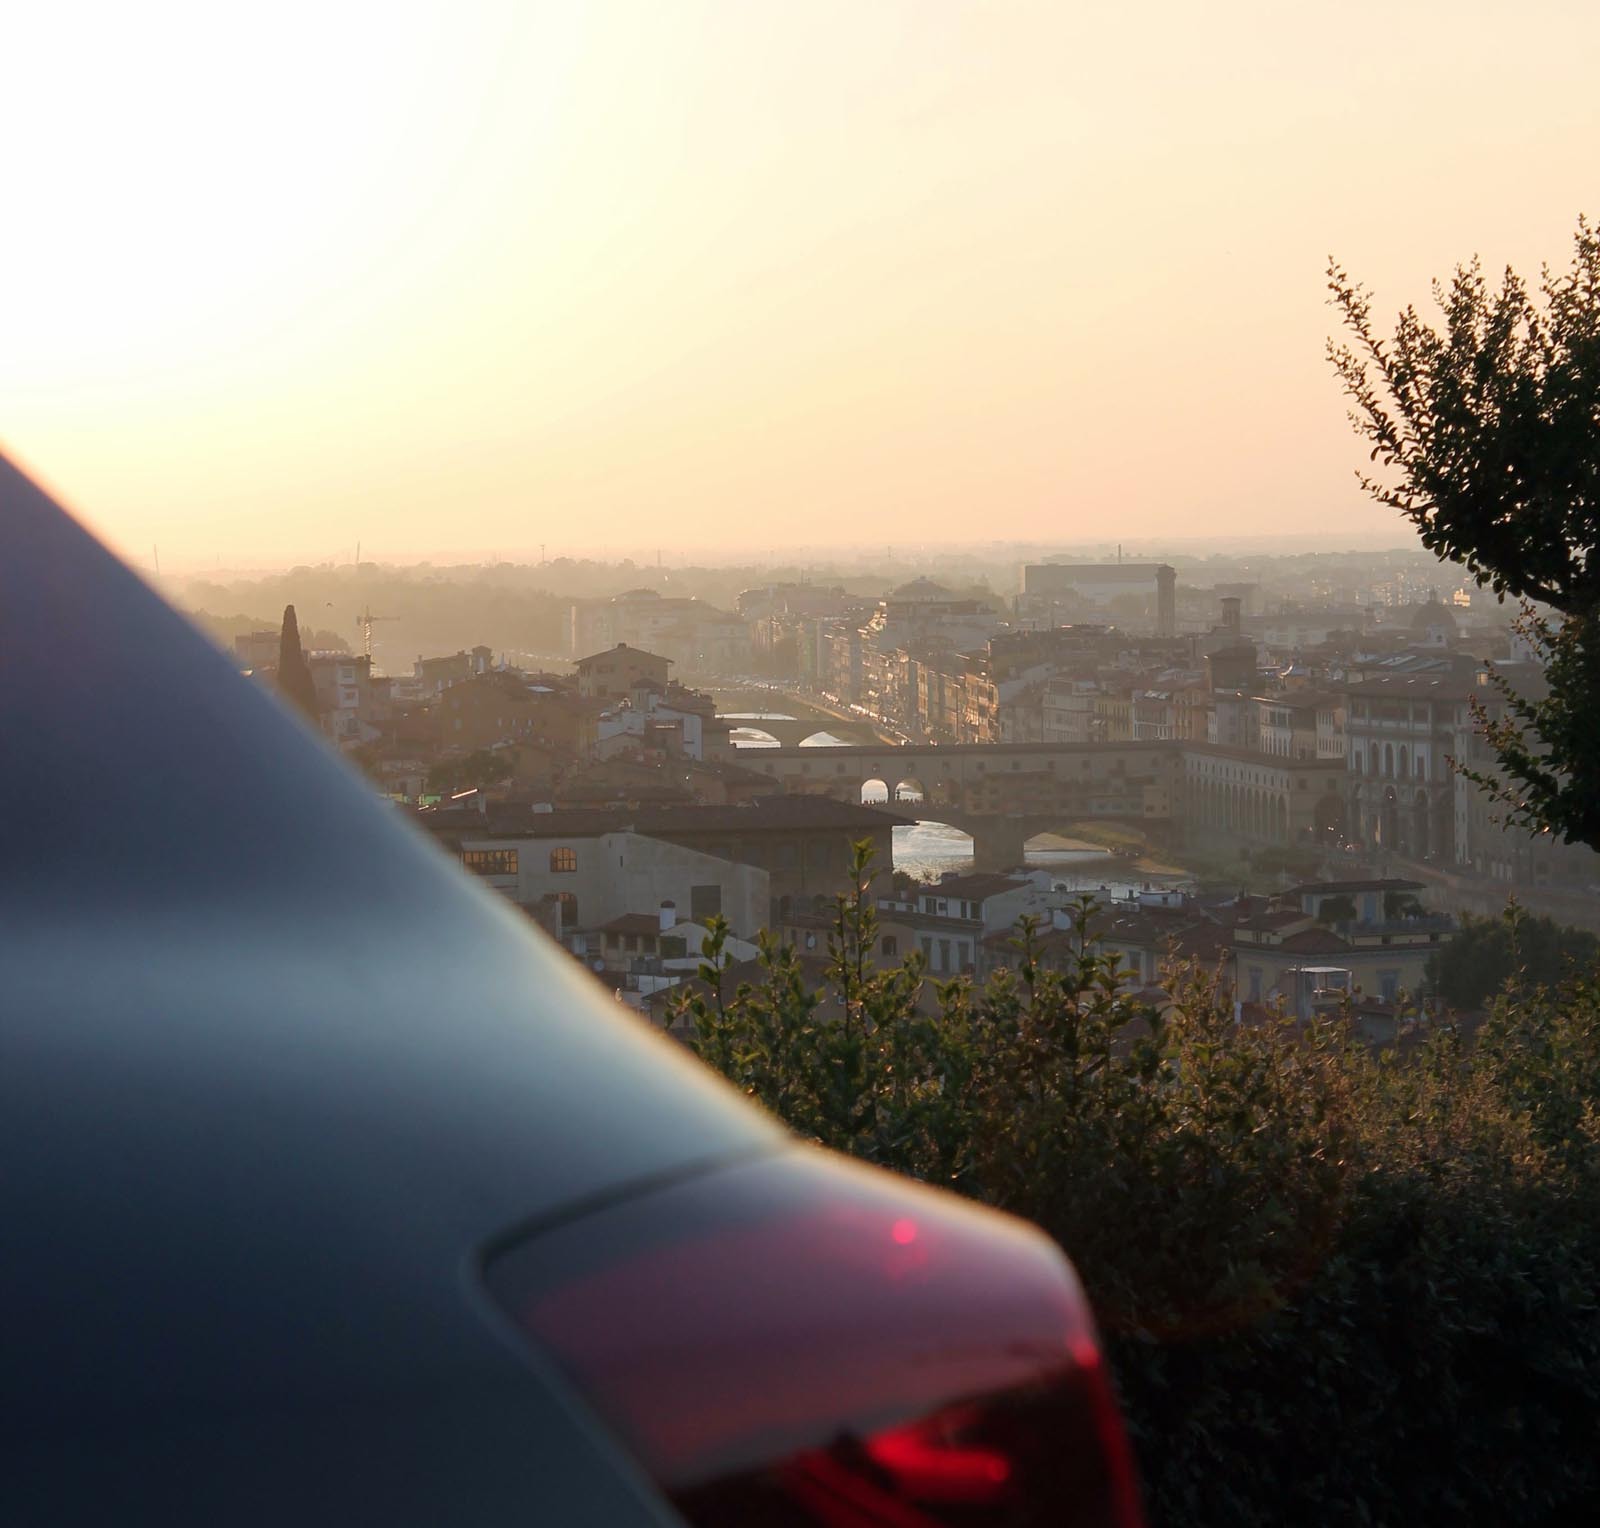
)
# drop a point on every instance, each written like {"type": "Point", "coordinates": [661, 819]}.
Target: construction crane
{"type": "Point", "coordinates": [366, 621]}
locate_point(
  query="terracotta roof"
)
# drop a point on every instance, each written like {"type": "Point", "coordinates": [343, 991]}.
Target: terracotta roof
{"type": "Point", "coordinates": [972, 888]}
{"type": "Point", "coordinates": [1270, 922]}
{"type": "Point", "coordinates": [1336, 888]}
{"type": "Point", "coordinates": [621, 647]}
{"type": "Point", "coordinates": [1313, 941]}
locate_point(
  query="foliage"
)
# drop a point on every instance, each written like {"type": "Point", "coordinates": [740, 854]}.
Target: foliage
{"type": "Point", "coordinates": [1402, 904]}
{"type": "Point", "coordinates": [1339, 909]}
{"type": "Point", "coordinates": [1545, 737]}
{"type": "Point", "coordinates": [1521, 951]}
{"type": "Point", "coordinates": [1489, 431]}
{"type": "Point", "coordinates": [222, 629]}
{"type": "Point", "coordinates": [1335, 1287]}
{"type": "Point", "coordinates": [294, 673]}
{"type": "Point", "coordinates": [471, 771]}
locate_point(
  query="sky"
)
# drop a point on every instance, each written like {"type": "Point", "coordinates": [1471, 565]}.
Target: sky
{"type": "Point", "coordinates": [488, 276]}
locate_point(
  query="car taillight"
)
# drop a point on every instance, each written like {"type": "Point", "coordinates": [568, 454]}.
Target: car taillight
{"type": "Point", "coordinates": [803, 1341]}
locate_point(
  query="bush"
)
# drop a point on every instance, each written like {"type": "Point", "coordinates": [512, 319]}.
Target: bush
{"type": "Point", "coordinates": [1334, 1287]}
{"type": "Point", "coordinates": [1487, 954]}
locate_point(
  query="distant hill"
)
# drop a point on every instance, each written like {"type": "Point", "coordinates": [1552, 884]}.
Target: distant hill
{"type": "Point", "coordinates": [222, 629]}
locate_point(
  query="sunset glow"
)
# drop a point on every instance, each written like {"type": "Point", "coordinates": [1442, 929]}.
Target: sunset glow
{"type": "Point", "coordinates": [619, 275]}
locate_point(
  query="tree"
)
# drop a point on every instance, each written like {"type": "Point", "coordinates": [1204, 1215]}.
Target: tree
{"type": "Point", "coordinates": [1489, 433]}
{"type": "Point", "coordinates": [294, 673]}
{"type": "Point", "coordinates": [1286, 1241]}
{"type": "Point", "coordinates": [1339, 909]}
{"type": "Point", "coordinates": [471, 771]}
{"type": "Point", "coordinates": [1488, 954]}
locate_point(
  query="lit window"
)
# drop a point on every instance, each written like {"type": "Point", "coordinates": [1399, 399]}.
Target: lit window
{"type": "Point", "coordinates": [490, 861]}
{"type": "Point", "coordinates": [563, 860]}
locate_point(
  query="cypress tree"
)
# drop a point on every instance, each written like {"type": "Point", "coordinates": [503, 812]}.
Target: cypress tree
{"type": "Point", "coordinates": [294, 673]}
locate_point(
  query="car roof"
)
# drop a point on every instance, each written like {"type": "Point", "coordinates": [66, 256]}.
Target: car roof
{"type": "Point", "coordinates": [274, 1068]}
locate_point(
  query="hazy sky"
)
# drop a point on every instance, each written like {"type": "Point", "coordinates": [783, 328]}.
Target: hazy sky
{"type": "Point", "coordinates": [480, 276]}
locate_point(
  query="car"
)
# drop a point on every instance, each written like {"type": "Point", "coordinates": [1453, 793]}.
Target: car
{"type": "Point", "coordinates": [334, 1193]}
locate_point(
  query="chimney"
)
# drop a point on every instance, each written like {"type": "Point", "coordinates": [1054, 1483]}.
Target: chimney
{"type": "Point", "coordinates": [669, 916]}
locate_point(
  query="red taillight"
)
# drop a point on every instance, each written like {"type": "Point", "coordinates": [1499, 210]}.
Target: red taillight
{"type": "Point", "coordinates": [803, 1341]}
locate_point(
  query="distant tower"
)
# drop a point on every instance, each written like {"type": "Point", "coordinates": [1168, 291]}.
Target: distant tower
{"type": "Point", "coordinates": [1166, 601]}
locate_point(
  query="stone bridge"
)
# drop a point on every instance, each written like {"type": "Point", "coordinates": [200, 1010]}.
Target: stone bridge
{"type": "Point", "coordinates": [1005, 793]}
{"type": "Point", "coordinates": [805, 719]}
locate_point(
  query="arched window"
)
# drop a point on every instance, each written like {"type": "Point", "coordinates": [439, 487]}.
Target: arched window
{"type": "Point", "coordinates": [563, 860]}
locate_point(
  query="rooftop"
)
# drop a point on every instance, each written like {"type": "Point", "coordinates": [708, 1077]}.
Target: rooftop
{"type": "Point", "coordinates": [973, 888]}
{"type": "Point", "coordinates": [764, 814]}
{"type": "Point", "coordinates": [621, 647]}
{"type": "Point", "coordinates": [1338, 888]}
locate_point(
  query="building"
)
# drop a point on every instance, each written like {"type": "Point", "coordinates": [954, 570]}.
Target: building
{"type": "Point", "coordinates": [257, 649]}
{"type": "Point", "coordinates": [352, 707]}
{"type": "Point", "coordinates": [618, 671]}
{"type": "Point", "coordinates": [697, 638]}
{"type": "Point", "coordinates": [432, 676]}
{"type": "Point", "coordinates": [1134, 592]}
{"type": "Point", "coordinates": [1485, 844]}
{"type": "Point", "coordinates": [803, 845]}
{"type": "Point", "coordinates": [1301, 724]}
{"type": "Point", "coordinates": [594, 873]}
{"type": "Point", "coordinates": [1401, 730]}
{"type": "Point", "coordinates": [1369, 937]}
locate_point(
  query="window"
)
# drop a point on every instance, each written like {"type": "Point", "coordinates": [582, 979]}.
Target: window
{"type": "Point", "coordinates": [891, 945]}
{"type": "Point", "coordinates": [490, 861]}
{"type": "Point", "coordinates": [569, 909]}
{"type": "Point", "coordinates": [563, 861]}
{"type": "Point", "coordinates": [704, 902]}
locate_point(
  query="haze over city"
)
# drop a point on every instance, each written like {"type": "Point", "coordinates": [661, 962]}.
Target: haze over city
{"type": "Point", "coordinates": [484, 279]}
{"type": "Point", "coordinates": [800, 762]}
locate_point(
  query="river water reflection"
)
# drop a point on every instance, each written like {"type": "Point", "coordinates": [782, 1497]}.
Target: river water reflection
{"type": "Point", "coordinates": [927, 850]}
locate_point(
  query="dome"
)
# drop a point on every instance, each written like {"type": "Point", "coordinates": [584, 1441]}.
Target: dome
{"type": "Point", "coordinates": [1433, 617]}
{"type": "Point", "coordinates": [921, 589]}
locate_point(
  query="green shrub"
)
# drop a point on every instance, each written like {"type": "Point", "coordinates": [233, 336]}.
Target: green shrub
{"type": "Point", "coordinates": [1488, 953]}
{"type": "Point", "coordinates": [1335, 1287]}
